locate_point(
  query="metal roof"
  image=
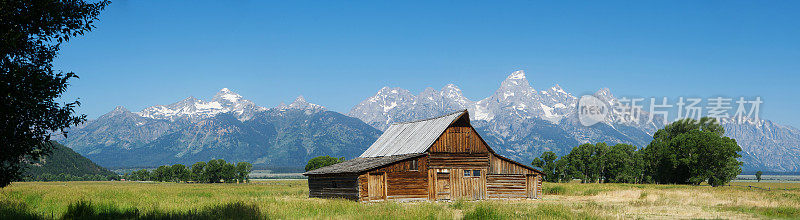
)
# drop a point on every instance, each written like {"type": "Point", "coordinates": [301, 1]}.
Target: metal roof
{"type": "Point", "coordinates": [360, 164]}
{"type": "Point", "coordinates": [411, 137]}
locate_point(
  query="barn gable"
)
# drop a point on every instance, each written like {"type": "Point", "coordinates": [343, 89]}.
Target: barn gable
{"type": "Point", "coordinates": [411, 137]}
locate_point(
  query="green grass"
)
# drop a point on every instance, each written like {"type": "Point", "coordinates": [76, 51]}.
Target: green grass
{"type": "Point", "coordinates": [288, 199]}
{"type": "Point", "coordinates": [769, 212]}
{"type": "Point", "coordinates": [554, 190]}
{"type": "Point", "coordinates": [484, 211]}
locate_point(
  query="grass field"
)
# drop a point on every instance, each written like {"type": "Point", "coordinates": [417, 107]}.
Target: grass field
{"type": "Point", "coordinates": [287, 199]}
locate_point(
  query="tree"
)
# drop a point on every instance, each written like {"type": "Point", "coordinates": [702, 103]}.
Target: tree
{"type": "Point", "coordinates": [550, 166]}
{"type": "Point", "coordinates": [621, 164]}
{"type": "Point", "coordinates": [242, 170]}
{"type": "Point", "coordinates": [322, 161]}
{"type": "Point", "coordinates": [758, 175]}
{"type": "Point", "coordinates": [228, 172]}
{"type": "Point", "coordinates": [178, 173]}
{"type": "Point", "coordinates": [689, 151]}
{"type": "Point", "coordinates": [140, 175]}
{"type": "Point", "coordinates": [162, 173]}
{"type": "Point", "coordinates": [198, 172]}
{"type": "Point", "coordinates": [215, 170]}
{"type": "Point", "coordinates": [31, 33]}
{"type": "Point", "coordinates": [585, 162]}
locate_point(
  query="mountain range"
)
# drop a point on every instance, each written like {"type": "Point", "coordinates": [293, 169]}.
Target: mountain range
{"type": "Point", "coordinates": [517, 120]}
{"type": "Point", "coordinates": [522, 122]}
{"type": "Point", "coordinates": [227, 127]}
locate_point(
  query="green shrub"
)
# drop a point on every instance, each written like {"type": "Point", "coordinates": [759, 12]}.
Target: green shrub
{"type": "Point", "coordinates": [555, 190]}
{"type": "Point", "coordinates": [458, 204]}
{"type": "Point", "coordinates": [591, 192]}
{"type": "Point", "coordinates": [484, 212]}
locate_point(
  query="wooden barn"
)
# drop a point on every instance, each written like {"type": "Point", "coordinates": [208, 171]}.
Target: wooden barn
{"type": "Point", "coordinates": [440, 158]}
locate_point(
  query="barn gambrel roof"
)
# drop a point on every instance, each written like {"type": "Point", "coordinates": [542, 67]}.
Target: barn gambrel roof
{"type": "Point", "coordinates": [411, 137]}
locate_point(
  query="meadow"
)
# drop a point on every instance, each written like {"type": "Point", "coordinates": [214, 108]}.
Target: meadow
{"type": "Point", "coordinates": [288, 199]}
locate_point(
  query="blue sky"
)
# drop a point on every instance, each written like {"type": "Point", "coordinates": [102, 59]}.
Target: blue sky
{"type": "Point", "coordinates": [339, 53]}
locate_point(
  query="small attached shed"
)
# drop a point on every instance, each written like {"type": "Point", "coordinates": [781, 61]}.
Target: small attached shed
{"type": "Point", "coordinates": [440, 158]}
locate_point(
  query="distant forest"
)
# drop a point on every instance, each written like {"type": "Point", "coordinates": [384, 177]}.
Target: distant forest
{"type": "Point", "coordinates": [64, 164]}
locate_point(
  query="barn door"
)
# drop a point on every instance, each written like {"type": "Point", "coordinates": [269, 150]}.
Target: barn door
{"type": "Point", "coordinates": [376, 186]}
{"type": "Point", "coordinates": [530, 186]}
{"type": "Point", "coordinates": [470, 184]}
{"type": "Point", "coordinates": [443, 185]}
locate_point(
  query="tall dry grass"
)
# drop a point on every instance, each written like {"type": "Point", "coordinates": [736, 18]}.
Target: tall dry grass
{"type": "Point", "coordinates": [288, 199]}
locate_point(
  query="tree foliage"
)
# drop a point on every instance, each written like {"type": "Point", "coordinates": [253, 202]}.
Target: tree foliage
{"type": "Point", "coordinates": [31, 33]}
{"type": "Point", "coordinates": [623, 164]}
{"type": "Point", "coordinates": [64, 160]}
{"type": "Point", "coordinates": [548, 163]}
{"type": "Point", "coordinates": [322, 161]}
{"type": "Point", "coordinates": [242, 170]}
{"type": "Point", "coordinates": [684, 152]}
{"type": "Point", "coordinates": [213, 171]}
{"type": "Point", "coordinates": [599, 162]}
{"type": "Point", "coordinates": [691, 152]}
{"type": "Point", "coordinates": [758, 175]}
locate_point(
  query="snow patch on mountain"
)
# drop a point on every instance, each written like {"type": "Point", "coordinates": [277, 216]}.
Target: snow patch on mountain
{"type": "Point", "coordinates": [300, 103]}
{"type": "Point", "coordinates": [191, 108]}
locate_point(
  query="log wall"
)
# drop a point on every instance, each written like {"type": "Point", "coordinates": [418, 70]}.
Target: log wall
{"type": "Point", "coordinates": [499, 165]}
{"type": "Point", "coordinates": [401, 182]}
{"type": "Point", "coordinates": [458, 160]}
{"type": "Point", "coordinates": [334, 186]}
{"type": "Point", "coordinates": [506, 186]}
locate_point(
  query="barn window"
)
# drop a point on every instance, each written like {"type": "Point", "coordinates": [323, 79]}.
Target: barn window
{"type": "Point", "coordinates": [413, 166]}
{"type": "Point", "coordinates": [476, 173]}
{"type": "Point", "coordinates": [467, 173]}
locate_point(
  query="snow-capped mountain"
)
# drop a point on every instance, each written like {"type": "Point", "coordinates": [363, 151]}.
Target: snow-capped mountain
{"type": "Point", "coordinates": [519, 121]}
{"type": "Point", "coordinates": [515, 96]}
{"type": "Point", "coordinates": [396, 104]}
{"type": "Point", "coordinates": [194, 109]}
{"type": "Point", "coordinates": [522, 122]}
{"type": "Point", "coordinates": [766, 144]}
{"type": "Point", "coordinates": [300, 103]}
{"type": "Point", "coordinates": [226, 127]}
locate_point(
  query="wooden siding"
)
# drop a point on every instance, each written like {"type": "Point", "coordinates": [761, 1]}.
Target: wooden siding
{"type": "Point", "coordinates": [533, 186]}
{"type": "Point", "coordinates": [467, 187]}
{"type": "Point", "coordinates": [459, 140]}
{"type": "Point", "coordinates": [401, 183]}
{"type": "Point", "coordinates": [506, 186]}
{"type": "Point", "coordinates": [333, 186]}
{"type": "Point", "coordinates": [499, 165]}
{"type": "Point", "coordinates": [363, 187]}
{"type": "Point", "coordinates": [500, 179]}
{"type": "Point", "coordinates": [458, 160]}
{"type": "Point", "coordinates": [539, 187]}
